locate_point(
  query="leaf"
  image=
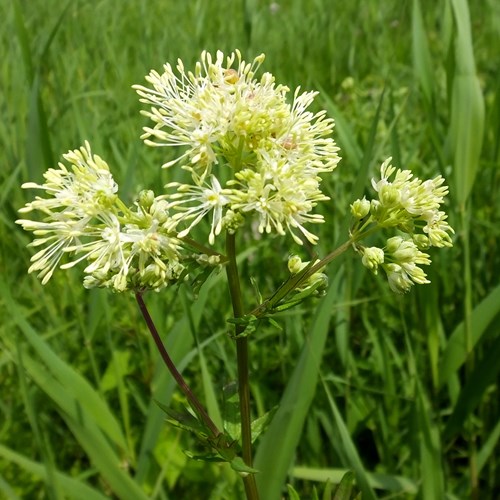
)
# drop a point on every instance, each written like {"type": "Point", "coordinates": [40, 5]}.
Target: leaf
{"type": "Point", "coordinates": [292, 493]}
{"type": "Point", "coordinates": [261, 423]}
{"type": "Point", "coordinates": [83, 395]}
{"type": "Point", "coordinates": [86, 430]}
{"type": "Point", "coordinates": [350, 449]}
{"type": "Point", "coordinates": [241, 467]}
{"type": "Point", "coordinates": [72, 488]}
{"type": "Point", "coordinates": [467, 107]}
{"type": "Point", "coordinates": [186, 421]}
{"type": "Point", "coordinates": [277, 445]}
{"type": "Point", "coordinates": [455, 352]}
{"type": "Point", "coordinates": [484, 375]}
{"type": "Point", "coordinates": [421, 55]}
{"type": "Point", "coordinates": [392, 483]}
{"type": "Point", "coordinates": [344, 489]}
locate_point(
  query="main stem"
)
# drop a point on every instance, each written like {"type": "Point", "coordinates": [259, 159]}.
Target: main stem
{"type": "Point", "coordinates": [193, 400]}
{"type": "Point", "coordinates": [243, 372]}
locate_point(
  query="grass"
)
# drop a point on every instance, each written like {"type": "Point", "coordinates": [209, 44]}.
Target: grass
{"type": "Point", "coordinates": [401, 390]}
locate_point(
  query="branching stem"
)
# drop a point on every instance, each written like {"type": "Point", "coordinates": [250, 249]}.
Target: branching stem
{"type": "Point", "coordinates": [193, 400]}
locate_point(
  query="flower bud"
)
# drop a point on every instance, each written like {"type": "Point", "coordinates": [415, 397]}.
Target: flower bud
{"type": "Point", "coordinates": [421, 240]}
{"type": "Point", "coordinates": [295, 264]}
{"type": "Point", "coordinates": [146, 199]}
{"type": "Point", "coordinates": [360, 208]}
{"type": "Point", "coordinates": [372, 258]}
{"type": "Point", "coordinates": [389, 195]}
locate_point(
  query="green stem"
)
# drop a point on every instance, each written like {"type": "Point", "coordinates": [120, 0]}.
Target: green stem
{"type": "Point", "coordinates": [243, 371]}
{"type": "Point", "coordinates": [299, 278]}
{"type": "Point", "coordinates": [204, 249]}
{"type": "Point", "coordinates": [193, 400]}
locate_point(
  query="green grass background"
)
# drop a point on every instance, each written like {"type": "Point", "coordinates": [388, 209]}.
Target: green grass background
{"type": "Point", "coordinates": [402, 390]}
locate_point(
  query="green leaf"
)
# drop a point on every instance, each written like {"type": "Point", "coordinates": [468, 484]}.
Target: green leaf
{"type": "Point", "coordinates": [85, 428]}
{"type": "Point", "coordinates": [392, 483]}
{"type": "Point", "coordinates": [185, 421]}
{"type": "Point", "coordinates": [241, 467]}
{"type": "Point", "coordinates": [421, 55]}
{"type": "Point", "coordinates": [72, 488]}
{"type": "Point", "coordinates": [83, 395]}
{"type": "Point", "coordinates": [344, 489]}
{"type": "Point", "coordinates": [455, 352]}
{"type": "Point", "coordinates": [292, 493]}
{"type": "Point", "coordinates": [260, 424]}
{"type": "Point", "coordinates": [467, 107]}
{"type": "Point", "coordinates": [350, 449]}
{"type": "Point", "coordinates": [484, 375]}
{"type": "Point", "coordinates": [277, 445]}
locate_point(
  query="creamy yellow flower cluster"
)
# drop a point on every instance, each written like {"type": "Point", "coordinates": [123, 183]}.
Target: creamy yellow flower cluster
{"type": "Point", "coordinates": [124, 248]}
{"type": "Point", "coordinates": [412, 207]}
{"type": "Point", "coordinates": [253, 157]}
{"type": "Point", "coordinates": [250, 152]}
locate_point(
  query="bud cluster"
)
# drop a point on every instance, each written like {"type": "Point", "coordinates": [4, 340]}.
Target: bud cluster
{"type": "Point", "coordinates": [412, 208]}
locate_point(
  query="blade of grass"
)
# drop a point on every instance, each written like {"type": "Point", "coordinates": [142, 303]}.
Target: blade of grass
{"type": "Point", "coordinates": [483, 376]}
{"type": "Point", "coordinates": [7, 489]}
{"type": "Point", "coordinates": [84, 394]}
{"type": "Point", "coordinates": [393, 484]}
{"type": "Point", "coordinates": [84, 427]}
{"type": "Point", "coordinates": [427, 438]}
{"type": "Point", "coordinates": [421, 55]}
{"type": "Point", "coordinates": [455, 352]}
{"type": "Point", "coordinates": [277, 446]}
{"type": "Point", "coordinates": [73, 488]}
{"type": "Point", "coordinates": [51, 482]}
{"type": "Point", "coordinates": [208, 386]}
{"type": "Point", "coordinates": [350, 448]}
{"type": "Point", "coordinates": [467, 107]}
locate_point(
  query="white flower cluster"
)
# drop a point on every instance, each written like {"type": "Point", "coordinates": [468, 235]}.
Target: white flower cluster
{"type": "Point", "coordinates": [411, 206]}
{"type": "Point", "coordinates": [83, 216]}
{"type": "Point", "coordinates": [250, 152]}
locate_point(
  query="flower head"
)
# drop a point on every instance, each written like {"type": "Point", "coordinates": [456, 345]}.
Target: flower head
{"type": "Point", "coordinates": [412, 207]}
{"type": "Point", "coordinates": [251, 153]}
{"type": "Point", "coordinates": [83, 217]}
{"type": "Point", "coordinates": [409, 204]}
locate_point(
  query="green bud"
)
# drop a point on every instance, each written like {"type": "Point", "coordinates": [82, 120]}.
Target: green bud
{"type": "Point", "coordinates": [360, 208]}
{"type": "Point", "coordinates": [421, 240]}
{"type": "Point", "coordinates": [372, 258]}
{"type": "Point", "coordinates": [146, 199]}
{"type": "Point", "coordinates": [295, 264]}
{"type": "Point", "coordinates": [389, 195]}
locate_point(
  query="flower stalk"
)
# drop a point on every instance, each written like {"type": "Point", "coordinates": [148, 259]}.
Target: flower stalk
{"type": "Point", "coordinates": [193, 400]}
{"type": "Point", "coordinates": [242, 361]}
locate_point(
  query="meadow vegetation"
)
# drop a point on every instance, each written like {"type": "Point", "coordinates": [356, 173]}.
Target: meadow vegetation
{"type": "Point", "coordinates": [400, 389]}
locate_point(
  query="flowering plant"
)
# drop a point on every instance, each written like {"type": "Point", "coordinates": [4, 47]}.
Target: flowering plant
{"type": "Point", "coordinates": [255, 163]}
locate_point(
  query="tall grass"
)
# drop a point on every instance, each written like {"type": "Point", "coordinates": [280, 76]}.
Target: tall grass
{"type": "Point", "coordinates": [401, 390]}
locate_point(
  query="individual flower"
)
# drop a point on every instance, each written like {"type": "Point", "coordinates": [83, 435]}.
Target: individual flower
{"type": "Point", "coordinates": [372, 258]}
{"type": "Point", "coordinates": [360, 208]}
{"type": "Point", "coordinates": [203, 199]}
{"type": "Point", "coordinates": [251, 153]}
